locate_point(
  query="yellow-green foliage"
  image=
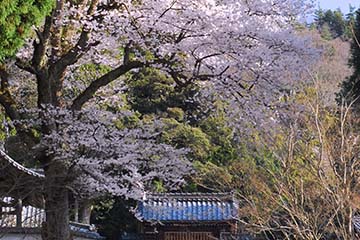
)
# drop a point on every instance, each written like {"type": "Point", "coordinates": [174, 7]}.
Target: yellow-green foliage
{"type": "Point", "coordinates": [176, 113]}
{"type": "Point", "coordinates": [185, 136]}
{"type": "Point", "coordinates": [16, 19]}
{"type": "Point", "coordinates": [213, 176]}
{"type": "Point", "coordinates": [83, 76]}
{"type": "Point", "coordinates": [223, 149]}
{"type": "Point", "coordinates": [130, 121]}
{"type": "Point", "coordinates": [4, 132]}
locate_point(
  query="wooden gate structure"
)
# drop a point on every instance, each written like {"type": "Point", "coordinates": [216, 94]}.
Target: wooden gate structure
{"type": "Point", "coordinates": [187, 216]}
{"type": "Point", "coordinates": [188, 236]}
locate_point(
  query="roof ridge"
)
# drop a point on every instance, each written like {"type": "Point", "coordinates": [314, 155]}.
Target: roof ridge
{"type": "Point", "coordinates": [192, 196]}
{"type": "Point", "coordinates": [20, 167]}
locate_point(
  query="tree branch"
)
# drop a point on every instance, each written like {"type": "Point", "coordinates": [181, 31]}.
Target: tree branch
{"type": "Point", "coordinates": [10, 106]}
{"type": "Point", "coordinates": [73, 55]}
{"type": "Point", "coordinates": [89, 92]}
{"type": "Point", "coordinates": [6, 99]}
{"type": "Point", "coordinates": [56, 31]}
{"type": "Point", "coordinates": [26, 66]}
{"type": "Point", "coordinates": [40, 48]}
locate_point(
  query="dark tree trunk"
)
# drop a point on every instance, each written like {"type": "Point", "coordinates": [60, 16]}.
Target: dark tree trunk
{"type": "Point", "coordinates": [56, 227]}
{"type": "Point", "coordinates": [85, 212]}
{"type": "Point", "coordinates": [56, 203]}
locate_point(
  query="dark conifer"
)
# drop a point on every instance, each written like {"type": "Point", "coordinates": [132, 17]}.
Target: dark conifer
{"type": "Point", "coordinates": [351, 86]}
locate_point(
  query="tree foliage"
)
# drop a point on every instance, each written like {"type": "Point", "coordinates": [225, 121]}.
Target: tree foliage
{"type": "Point", "coordinates": [333, 24]}
{"type": "Point", "coordinates": [16, 20]}
{"type": "Point", "coordinates": [350, 87]}
{"type": "Point", "coordinates": [231, 46]}
{"type": "Point", "coordinates": [150, 91]}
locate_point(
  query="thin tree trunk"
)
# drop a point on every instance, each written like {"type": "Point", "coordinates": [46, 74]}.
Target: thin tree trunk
{"type": "Point", "coordinates": [85, 212]}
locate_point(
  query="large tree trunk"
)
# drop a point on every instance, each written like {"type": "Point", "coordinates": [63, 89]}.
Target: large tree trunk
{"type": "Point", "coordinates": [56, 226]}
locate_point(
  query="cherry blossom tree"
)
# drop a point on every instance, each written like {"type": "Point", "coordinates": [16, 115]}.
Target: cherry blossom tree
{"type": "Point", "coordinates": [235, 46]}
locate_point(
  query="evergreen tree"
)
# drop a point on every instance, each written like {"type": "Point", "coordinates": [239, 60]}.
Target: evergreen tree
{"type": "Point", "coordinates": [338, 24]}
{"type": "Point", "coordinates": [319, 17]}
{"type": "Point", "coordinates": [350, 16]}
{"type": "Point", "coordinates": [151, 92]}
{"type": "Point", "coordinates": [329, 17]}
{"type": "Point", "coordinates": [351, 86]}
{"type": "Point", "coordinates": [16, 19]}
{"type": "Point", "coordinates": [325, 32]}
{"type": "Point", "coordinates": [350, 21]}
{"type": "Point", "coordinates": [331, 24]}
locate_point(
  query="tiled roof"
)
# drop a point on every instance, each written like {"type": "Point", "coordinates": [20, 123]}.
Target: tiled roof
{"type": "Point", "coordinates": [188, 207]}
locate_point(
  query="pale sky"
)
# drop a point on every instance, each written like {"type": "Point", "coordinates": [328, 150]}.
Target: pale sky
{"type": "Point", "coordinates": [333, 4]}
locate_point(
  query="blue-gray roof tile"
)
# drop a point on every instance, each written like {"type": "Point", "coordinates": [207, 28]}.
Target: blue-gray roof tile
{"type": "Point", "coordinates": [188, 207]}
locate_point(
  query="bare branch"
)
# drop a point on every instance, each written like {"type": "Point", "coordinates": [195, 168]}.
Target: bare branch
{"type": "Point", "coordinates": [89, 92]}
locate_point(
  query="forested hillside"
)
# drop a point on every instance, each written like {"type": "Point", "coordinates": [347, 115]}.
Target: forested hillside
{"type": "Point", "coordinates": [113, 99]}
